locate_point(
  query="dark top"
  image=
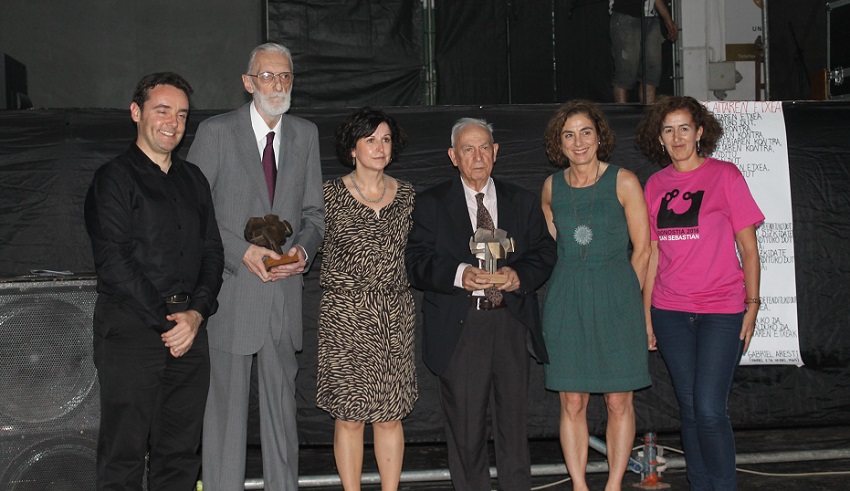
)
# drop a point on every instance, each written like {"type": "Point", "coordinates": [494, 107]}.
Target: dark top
{"type": "Point", "coordinates": [439, 242]}
{"type": "Point", "coordinates": [629, 7]}
{"type": "Point", "coordinates": [153, 235]}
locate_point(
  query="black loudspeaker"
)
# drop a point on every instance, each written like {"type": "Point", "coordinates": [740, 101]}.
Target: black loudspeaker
{"type": "Point", "coordinates": [49, 394]}
{"type": "Point", "coordinates": [838, 49]}
{"type": "Point", "coordinates": [13, 84]}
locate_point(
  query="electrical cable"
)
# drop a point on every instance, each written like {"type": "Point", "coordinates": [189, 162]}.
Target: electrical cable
{"type": "Point", "coordinates": [738, 469]}
{"type": "Point", "coordinates": [773, 474]}
{"type": "Point", "coordinates": [544, 486]}
{"type": "Point", "coordinates": [794, 474]}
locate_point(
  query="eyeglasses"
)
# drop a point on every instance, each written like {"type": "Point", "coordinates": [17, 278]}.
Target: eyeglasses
{"type": "Point", "coordinates": [268, 77]}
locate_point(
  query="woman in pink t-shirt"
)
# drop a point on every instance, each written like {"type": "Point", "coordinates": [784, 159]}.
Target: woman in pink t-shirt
{"type": "Point", "coordinates": [701, 301]}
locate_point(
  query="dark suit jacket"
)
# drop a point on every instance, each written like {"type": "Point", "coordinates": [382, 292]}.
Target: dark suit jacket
{"type": "Point", "coordinates": [439, 242]}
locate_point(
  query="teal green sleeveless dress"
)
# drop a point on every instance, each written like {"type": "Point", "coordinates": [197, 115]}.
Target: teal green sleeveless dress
{"type": "Point", "coordinates": [593, 321]}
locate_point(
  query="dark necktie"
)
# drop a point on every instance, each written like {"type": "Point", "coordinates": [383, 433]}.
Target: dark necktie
{"type": "Point", "coordinates": [269, 167]}
{"type": "Point", "coordinates": [485, 221]}
{"type": "Point", "coordinates": [483, 217]}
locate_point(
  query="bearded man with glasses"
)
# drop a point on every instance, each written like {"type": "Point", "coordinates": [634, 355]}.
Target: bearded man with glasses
{"type": "Point", "coordinates": [259, 161]}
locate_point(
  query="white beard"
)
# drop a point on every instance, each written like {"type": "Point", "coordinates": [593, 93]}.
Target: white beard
{"type": "Point", "coordinates": [273, 106]}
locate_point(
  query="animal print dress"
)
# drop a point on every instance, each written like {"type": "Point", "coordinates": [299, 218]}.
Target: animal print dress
{"type": "Point", "coordinates": [366, 366]}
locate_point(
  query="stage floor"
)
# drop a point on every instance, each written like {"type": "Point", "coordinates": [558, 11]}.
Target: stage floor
{"type": "Point", "coordinates": [753, 445]}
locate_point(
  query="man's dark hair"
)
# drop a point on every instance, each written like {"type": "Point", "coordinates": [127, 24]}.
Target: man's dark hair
{"type": "Point", "coordinates": [140, 95]}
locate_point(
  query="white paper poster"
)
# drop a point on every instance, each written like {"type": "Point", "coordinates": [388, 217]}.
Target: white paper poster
{"type": "Point", "coordinates": [754, 139]}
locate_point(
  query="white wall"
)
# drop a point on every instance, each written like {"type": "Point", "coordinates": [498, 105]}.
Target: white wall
{"type": "Point", "coordinates": [706, 27]}
{"type": "Point", "coordinates": [743, 26]}
{"type": "Point", "coordinates": [701, 41]}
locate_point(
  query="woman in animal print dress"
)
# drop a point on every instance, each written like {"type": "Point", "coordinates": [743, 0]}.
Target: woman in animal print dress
{"type": "Point", "coordinates": [366, 370]}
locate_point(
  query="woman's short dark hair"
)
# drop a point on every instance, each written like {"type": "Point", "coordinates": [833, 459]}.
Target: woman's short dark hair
{"type": "Point", "coordinates": [649, 129]}
{"type": "Point", "coordinates": [140, 95]}
{"type": "Point", "coordinates": [361, 124]}
{"type": "Point", "coordinates": [552, 136]}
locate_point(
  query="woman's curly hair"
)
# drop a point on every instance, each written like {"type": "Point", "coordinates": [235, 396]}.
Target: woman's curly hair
{"type": "Point", "coordinates": [649, 129]}
{"type": "Point", "coordinates": [552, 136]}
{"type": "Point", "coordinates": [361, 124]}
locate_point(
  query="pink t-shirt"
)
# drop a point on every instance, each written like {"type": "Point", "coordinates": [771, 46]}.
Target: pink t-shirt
{"type": "Point", "coordinates": [694, 217]}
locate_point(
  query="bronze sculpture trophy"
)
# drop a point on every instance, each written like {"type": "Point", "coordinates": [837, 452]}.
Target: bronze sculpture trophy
{"type": "Point", "coordinates": [489, 246]}
{"type": "Point", "coordinates": [270, 232]}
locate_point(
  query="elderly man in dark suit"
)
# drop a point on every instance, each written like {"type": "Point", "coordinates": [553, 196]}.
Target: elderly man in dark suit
{"type": "Point", "coordinates": [258, 161]}
{"type": "Point", "coordinates": [475, 332]}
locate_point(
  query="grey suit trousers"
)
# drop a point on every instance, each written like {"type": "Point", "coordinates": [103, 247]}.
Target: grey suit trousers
{"type": "Point", "coordinates": [225, 430]}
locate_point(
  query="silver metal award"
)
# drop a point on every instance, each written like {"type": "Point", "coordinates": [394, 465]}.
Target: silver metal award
{"type": "Point", "coordinates": [489, 246]}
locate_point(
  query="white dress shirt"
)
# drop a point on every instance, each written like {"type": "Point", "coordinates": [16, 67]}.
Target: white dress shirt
{"type": "Point", "coordinates": [261, 129]}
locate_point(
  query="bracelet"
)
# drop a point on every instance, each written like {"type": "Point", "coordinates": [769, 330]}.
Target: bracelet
{"type": "Point", "coordinates": [755, 300]}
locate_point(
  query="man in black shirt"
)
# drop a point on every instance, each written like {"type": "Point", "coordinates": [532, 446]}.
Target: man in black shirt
{"type": "Point", "coordinates": [159, 261]}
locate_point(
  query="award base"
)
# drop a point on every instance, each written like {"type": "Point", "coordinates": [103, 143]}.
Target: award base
{"type": "Point", "coordinates": [496, 279]}
{"type": "Point", "coordinates": [284, 259]}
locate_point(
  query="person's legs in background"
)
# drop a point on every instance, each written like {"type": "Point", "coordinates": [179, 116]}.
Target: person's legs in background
{"type": "Point", "coordinates": [653, 60]}
{"type": "Point", "coordinates": [625, 49]}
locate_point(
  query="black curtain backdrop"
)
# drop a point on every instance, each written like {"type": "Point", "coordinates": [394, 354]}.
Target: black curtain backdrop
{"type": "Point", "coordinates": [352, 52]}
{"type": "Point", "coordinates": [531, 51]}
{"type": "Point", "coordinates": [584, 66]}
{"type": "Point", "coordinates": [522, 52]}
{"type": "Point", "coordinates": [47, 159]}
{"type": "Point", "coordinates": [797, 47]}
{"type": "Point", "coordinates": [471, 51]}
{"type": "Point", "coordinates": [356, 52]}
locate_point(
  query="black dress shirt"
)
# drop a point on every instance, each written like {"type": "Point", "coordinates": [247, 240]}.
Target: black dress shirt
{"type": "Point", "coordinates": [154, 235]}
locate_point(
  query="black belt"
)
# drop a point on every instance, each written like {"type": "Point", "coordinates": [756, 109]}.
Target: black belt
{"type": "Point", "coordinates": [178, 298]}
{"type": "Point", "coordinates": [482, 303]}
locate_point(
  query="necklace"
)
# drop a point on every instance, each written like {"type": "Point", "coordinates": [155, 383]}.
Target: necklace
{"type": "Point", "coordinates": [357, 188]}
{"type": "Point", "coordinates": [583, 234]}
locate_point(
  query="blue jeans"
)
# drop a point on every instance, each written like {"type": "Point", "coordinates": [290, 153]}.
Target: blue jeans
{"type": "Point", "coordinates": [701, 352]}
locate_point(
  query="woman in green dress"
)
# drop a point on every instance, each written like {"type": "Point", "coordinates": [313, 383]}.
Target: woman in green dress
{"type": "Point", "coordinates": [593, 321]}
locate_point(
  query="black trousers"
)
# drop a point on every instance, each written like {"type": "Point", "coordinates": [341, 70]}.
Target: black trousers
{"type": "Point", "coordinates": [150, 402]}
{"type": "Point", "coordinates": [490, 363]}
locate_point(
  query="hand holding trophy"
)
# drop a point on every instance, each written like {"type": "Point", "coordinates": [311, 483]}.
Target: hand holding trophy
{"type": "Point", "coordinates": [270, 232]}
{"type": "Point", "coordinates": [489, 246]}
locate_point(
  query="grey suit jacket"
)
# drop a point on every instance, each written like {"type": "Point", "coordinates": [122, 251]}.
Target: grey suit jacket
{"type": "Point", "coordinates": [225, 150]}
